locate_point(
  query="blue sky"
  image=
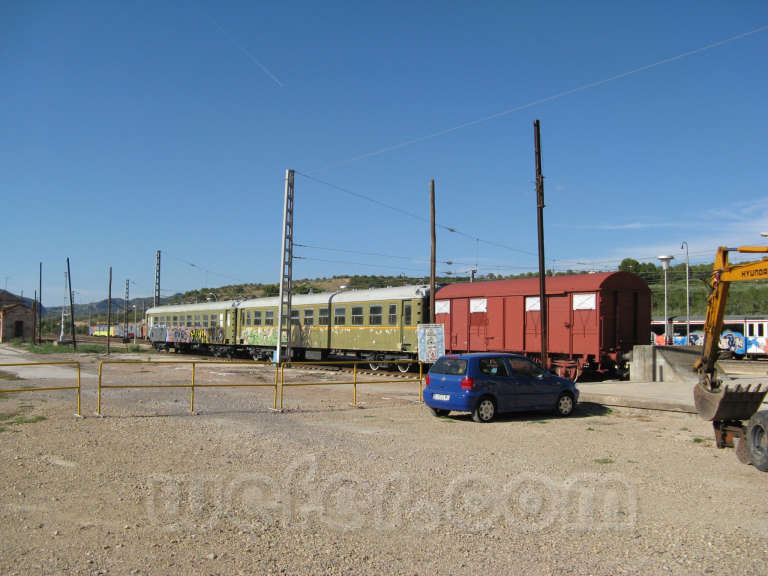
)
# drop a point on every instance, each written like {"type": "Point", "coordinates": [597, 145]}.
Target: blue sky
{"type": "Point", "coordinates": [129, 127]}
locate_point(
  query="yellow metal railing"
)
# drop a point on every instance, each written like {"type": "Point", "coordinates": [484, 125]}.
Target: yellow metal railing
{"type": "Point", "coordinates": [48, 388]}
{"type": "Point", "coordinates": [354, 382]}
{"type": "Point", "coordinates": [192, 385]}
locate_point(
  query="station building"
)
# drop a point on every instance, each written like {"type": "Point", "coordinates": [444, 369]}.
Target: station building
{"type": "Point", "coordinates": [17, 319]}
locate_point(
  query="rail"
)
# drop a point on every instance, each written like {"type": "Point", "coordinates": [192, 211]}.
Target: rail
{"type": "Point", "coordinates": [192, 385]}
{"type": "Point", "coordinates": [354, 382]}
{"type": "Point", "coordinates": [48, 388]}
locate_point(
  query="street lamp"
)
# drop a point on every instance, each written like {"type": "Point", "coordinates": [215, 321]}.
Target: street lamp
{"type": "Point", "coordinates": [665, 263]}
{"type": "Point", "coordinates": [687, 296]}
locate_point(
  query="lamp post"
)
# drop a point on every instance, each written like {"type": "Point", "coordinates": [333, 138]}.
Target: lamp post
{"type": "Point", "coordinates": [687, 295]}
{"type": "Point", "coordinates": [134, 324]}
{"type": "Point", "coordinates": [665, 263]}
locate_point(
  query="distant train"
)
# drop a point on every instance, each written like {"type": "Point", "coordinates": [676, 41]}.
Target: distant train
{"type": "Point", "coordinates": [594, 320]}
{"type": "Point", "coordinates": [118, 330]}
{"type": "Point", "coordinates": [742, 336]}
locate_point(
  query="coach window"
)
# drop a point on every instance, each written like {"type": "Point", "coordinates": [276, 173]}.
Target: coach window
{"type": "Point", "coordinates": [407, 314]}
{"type": "Point", "coordinates": [257, 318]}
{"type": "Point", "coordinates": [197, 319]}
{"type": "Point", "coordinates": [213, 321]}
{"type": "Point", "coordinates": [295, 318]}
{"type": "Point", "coordinates": [175, 319]}
{"type": "Point", "coordinates": [357, 315]}
{"type": "Point", "coordinates": [322, 317]}
{"type": "Point", "coordinates": [309, 317]}
{"type": "Point", "coordinates": [374, 316]}
{"type": "Point", "coordinates": [189, 320]}
{"type": "Point", "coordinates": [393, 314]}
{"type": "Point", "coordinates": [269, 318]}
{"type": "Point", "coordinates": [760, 330]}
{"type": "Point", "coordinates": [340, 316]}
{"type": "Point", "coordinates": [205, 320]}
{"type": "Point", "coordinates": [248, 318]}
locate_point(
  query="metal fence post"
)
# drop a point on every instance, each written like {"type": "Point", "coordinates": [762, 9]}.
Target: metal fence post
{"type": "Point", "coordinates": [98, 395]}
{"type": "Point", "coordinates": [282, 380]}
{"type": "Point", "coordinates": [274, 393]}
{"type": "Point", "coordinates": [421, 376]}
{"type": "Point", "coordinates": [354, 384]}
{"type": "Point", "coordinates": [192, 393]}
{"type": "Point", "coordinates": [78, 389]}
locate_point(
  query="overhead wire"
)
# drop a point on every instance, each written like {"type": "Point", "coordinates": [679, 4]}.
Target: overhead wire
{"type": "Point", "coordinates": [546, 99]}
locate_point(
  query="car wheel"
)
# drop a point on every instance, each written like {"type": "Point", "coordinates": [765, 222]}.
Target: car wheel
{"type": "Point", "coordinates": [757, 440]}
{"type": "Point", "coordinates": [438, 411]}
{"type": "Point", "coordinates": [564, 405]}
{"type": "Point", "coordinates": [485, 410]}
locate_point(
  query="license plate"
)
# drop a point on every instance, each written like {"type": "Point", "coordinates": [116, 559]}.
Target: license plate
{"type": "Point", "coordinates": [444, 397]}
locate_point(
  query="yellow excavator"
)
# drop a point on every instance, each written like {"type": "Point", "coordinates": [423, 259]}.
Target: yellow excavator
{"type": "Point", "coordinates": [729, 407]}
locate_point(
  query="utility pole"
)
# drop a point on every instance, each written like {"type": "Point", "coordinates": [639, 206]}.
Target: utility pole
{"type": "Point", "coordinates": [433, 257]}
{"type": "Point", "coordinates": [540, 223]}
{"type": "Point", "coordinates": [125, 323]}
{"type": "Point", "coordinates": [71, 308]}
{"type": "Point", "coordinates": [156, 301]}
{"type": "Point", "coordinates": [286, 274]}
{"type": "Point", "coordinates": [40, 307]}
{"type": "Point", "coordinates": [109, 307]}
{"type": "Point", "coordinates": [34, 323]}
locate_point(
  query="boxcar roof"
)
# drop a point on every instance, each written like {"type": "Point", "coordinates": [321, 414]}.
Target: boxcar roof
{"type": "Point", "coordinates": [374, 294]}
{"type": "Point", "coordinates": [555, 285]}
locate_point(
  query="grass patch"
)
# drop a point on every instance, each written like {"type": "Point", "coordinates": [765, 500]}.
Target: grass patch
{"type": "Point", "coordinates": [49, 348]}
{"type": "Point", "coordinates": [633, 462]}
{"type": "Point", "coordinates": [2, 429]}
{"type": "Point", "coordinates": [541, 421]}
{"type": "Point", "coordinates": [590, 429]}
{"type": "Point", "coordinates": [699, 440]}
{"type": "Point", "coordinates": [9, 376]}
{"type": "Point", "coordinates": [603, 461]}
{"type": "Point", "coordinates": [685, 429]}
{"type": "Point", "coordinates": [25, 420]}
{"type": "Point", "coordinates": [5, 416]}
{"type": "Point", "coordinates": [608, 410]}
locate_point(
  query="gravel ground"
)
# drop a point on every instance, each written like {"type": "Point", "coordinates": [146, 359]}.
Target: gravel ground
{"type": "Point", "coordinates": [325, 487]}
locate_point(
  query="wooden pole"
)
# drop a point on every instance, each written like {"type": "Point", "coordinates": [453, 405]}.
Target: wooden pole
{"type": "Point", "coordinates": [109, 307]}
{"type": "Point", "coordinates": [433, 257]}
{"type": "Point", "coordinates": [540, 223]}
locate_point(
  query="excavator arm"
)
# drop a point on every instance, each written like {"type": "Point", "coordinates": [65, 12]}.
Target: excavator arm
{"type": "Point", "coordinates": [726, 407]}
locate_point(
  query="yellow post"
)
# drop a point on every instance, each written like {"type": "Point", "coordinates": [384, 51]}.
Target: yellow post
{"type": "Point", "coordinates": [274, 394]}
{"type": "Point", "coordinates": [78, 388]}
{"type": "Point", "coordinates": [98, 395]}
{"type": "Point", "coordinates": [354, 384]}
{"type": "Point", "coordinates": [192, 393]}
{"type": "Point", "coordinates": [282, 381]}
{"type": "Point", "coordinates": [421, 375]}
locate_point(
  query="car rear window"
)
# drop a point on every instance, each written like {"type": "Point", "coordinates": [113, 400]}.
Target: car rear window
{"type": "Point", "coordinates": [449, 365]}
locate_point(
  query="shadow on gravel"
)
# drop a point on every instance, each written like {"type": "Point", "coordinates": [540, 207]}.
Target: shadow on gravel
{"type": "Point", "coordinates": [582, 410]}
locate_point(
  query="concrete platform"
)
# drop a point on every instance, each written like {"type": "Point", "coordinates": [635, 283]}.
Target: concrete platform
{"type": "Point", "coordinates": [667, 396]}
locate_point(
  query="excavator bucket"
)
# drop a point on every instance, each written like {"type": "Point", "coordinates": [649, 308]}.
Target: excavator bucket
{"type": "Point", "coordinates": [725, 404]}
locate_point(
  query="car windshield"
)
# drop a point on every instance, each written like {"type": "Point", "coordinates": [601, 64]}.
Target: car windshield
{"type": "Point", "coordinates": [450, 365]}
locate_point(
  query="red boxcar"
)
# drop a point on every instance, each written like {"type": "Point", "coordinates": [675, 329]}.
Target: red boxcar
{"type": "Point", "coordinates": [593, 319]}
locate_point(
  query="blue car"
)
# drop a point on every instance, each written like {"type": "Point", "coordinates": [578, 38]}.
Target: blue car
{"type": "Point", "coordinates": [487, 384]}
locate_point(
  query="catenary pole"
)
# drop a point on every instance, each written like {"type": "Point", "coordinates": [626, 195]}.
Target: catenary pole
{"type": "Point", "coordinates": [40, 306]}
{"type": "Point", "coordinates": [540, 222]}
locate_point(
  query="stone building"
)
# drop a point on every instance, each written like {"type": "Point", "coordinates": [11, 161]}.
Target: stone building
{"type": "Point", "coordinates": [17, 320]}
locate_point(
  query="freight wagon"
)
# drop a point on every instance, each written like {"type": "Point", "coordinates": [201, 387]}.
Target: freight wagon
{"type": "Point", "coordinates": [594, 320]}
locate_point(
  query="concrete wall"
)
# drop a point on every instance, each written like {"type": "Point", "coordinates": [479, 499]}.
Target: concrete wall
{"type": "Point", "coordinates": [663, 363]}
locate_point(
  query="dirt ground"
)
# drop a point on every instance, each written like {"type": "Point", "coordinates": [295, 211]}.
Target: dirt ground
{"type": "Point", "coordinates": [327, 488]}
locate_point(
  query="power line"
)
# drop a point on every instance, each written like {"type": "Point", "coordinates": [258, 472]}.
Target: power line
{"type": "Point", "coordinates": [546, 99]}
{"type": "Point", "coordinates": [451, 229]}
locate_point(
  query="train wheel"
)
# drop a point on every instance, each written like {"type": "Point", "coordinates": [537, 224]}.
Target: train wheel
{"type": "Point", "coordinates": [374, 365]}
{"type": "Point", "coordinates": [404, 367]}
